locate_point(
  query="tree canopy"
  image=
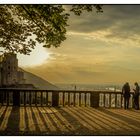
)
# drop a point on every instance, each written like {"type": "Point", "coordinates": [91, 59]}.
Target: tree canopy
{"type": "Point", "coordinates": [21, 26]}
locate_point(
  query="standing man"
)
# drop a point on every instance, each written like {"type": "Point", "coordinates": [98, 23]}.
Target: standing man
{"type": "Point", "coordinates": [126, 94]}
{"type": "Point", "coordinates": [136, 96]}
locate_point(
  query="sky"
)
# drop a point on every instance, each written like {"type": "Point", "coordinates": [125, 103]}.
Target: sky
{"type": "Point", "coordinates": [100, 48]}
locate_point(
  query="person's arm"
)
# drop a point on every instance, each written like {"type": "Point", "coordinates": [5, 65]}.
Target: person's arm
{"type": "Point", "coordinates": [134, 90]}
{"type": "Point", "coordinates": [133, 93]}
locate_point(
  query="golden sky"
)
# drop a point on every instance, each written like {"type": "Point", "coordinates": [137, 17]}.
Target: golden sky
{"type": "Point", "coordinates": [100, 48]}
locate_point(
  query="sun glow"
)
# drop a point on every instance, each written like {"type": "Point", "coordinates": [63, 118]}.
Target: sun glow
{"type": "Point", "coordinates": [37, 57]}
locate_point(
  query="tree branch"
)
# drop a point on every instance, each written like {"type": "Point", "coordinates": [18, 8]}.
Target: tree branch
{"type": "Point", "coordinates": [31, 17]}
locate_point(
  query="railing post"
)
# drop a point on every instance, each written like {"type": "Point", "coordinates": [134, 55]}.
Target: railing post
{"type": "Point", "coordinates": [16, 98]}
{"type": "Point", "coordinates": [94, 100]}
{"type": "Point", "coordinates": [7, 98]}
{"type": "Point", "coordinates": [55, 98]}
{"type": "Point", "coordinates": [1, 96]}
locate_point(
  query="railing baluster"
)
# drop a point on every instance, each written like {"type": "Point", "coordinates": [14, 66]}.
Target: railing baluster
{"type": "Point", "coordinates": [85, 99]}
{"type": "Point", "coordinates": [68, 99]}
{"type": "Point", "coordinates": [46, 98]}
{"type": "Point", "coordinates": [20, 98]}
{"type": "Point", "coordinates": [88, 99]}
{"type": "Point", "coordinates": [121, 100]}
{"type": "Point", "coordinates": [79, 99]}
{"type": "Point", "coordinates": [104, 99]}
{"type": "Point", "coordinates": [91, 99]}
{"type": "Point", "coordinates": [109, 100]}
{"type": "Point", "coordinates": [74, 99]}
{"type": "Point", "coordinates": [35, 98]}
{"type": "Point", "coordinates": [63, 98]}
{"type": "Point", "coordinates": [115, 100]}
{"type": "Point", "coordinates": [24, 98]}
{"type": "Point", "coordinates": [30, 98]}
{"type": "Point", "coordinates": [41, 98]}
{"type": "Point", "coordinates": [89, 96]}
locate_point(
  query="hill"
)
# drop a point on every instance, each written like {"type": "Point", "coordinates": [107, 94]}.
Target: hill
{"type": "Point", "coordinates": [37, 81]}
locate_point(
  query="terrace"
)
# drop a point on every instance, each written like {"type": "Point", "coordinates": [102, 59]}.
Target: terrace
{"type": "Point", "coordinates": [46, 112]}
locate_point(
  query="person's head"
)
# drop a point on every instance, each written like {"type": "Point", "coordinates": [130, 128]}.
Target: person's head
{"type": "Point", "coordinates": [127, 83]}
{"type": "Point", "coordinates": [136, 84]}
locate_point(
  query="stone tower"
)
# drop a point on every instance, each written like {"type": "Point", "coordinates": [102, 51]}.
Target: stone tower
{"type": "Point", "coordinates": [9, 70]}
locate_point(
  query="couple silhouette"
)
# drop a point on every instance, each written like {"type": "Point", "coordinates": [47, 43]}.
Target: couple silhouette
{"type": "Point", "coordinates": [126, 95]}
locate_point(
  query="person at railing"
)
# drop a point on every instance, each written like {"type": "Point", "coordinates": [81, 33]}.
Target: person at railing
{"type": "Point", "coordinates": [136, 96]}
{"type": "Point", "coordinates": [126, 95]}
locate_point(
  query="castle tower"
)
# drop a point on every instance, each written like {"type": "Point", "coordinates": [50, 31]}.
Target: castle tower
{"type": "Point", "coordinates": [9, 69]}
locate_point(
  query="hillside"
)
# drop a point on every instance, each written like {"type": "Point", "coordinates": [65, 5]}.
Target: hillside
{"type": "Point", "coordinates": [37, 81]}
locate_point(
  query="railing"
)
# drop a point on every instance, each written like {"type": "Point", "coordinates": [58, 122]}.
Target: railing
{"type": "Point", "coordinates": [22, 97]}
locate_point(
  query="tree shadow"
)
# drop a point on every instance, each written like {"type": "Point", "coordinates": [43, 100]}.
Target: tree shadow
{"type": "Point", "coordinates": [13, 122]}
{"type": "Point", "coordinates": [126, 119]}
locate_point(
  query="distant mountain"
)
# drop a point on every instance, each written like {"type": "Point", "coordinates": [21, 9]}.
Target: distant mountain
{"type": "Point", "coordinates": [37, 81]}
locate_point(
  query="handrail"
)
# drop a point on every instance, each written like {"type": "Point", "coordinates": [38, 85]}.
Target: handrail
{"type": "Point", "coordinates": [80, 91]}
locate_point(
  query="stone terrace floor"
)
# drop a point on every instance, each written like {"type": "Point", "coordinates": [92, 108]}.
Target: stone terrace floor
{"type": "Point", "coordinates": [68, 121]}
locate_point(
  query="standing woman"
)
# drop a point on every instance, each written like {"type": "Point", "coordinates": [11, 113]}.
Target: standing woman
{"type": "Point", "coordinates": [136, 96]}
{"type": "Point", "coordinates": [126, 94]}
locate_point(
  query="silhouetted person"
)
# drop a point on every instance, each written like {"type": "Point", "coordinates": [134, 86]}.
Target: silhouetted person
{"type": "Point", "coordinates": [136, 96]}
{"type": "Point", "coordinates": [126, 94]}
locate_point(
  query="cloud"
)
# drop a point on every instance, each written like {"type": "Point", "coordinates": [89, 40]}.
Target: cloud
{"type": "Point", "coordinates": [112, 16]}
{"type": "Point", "coordinates": [97, 73]}
{"type": "Point", "coordinates": [99, 48]}
{"type": "Point", "coordinates": [118, 24]}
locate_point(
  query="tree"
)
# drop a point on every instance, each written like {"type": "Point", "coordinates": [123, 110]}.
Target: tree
{"type": "Point", "coordinates": [21, 26]}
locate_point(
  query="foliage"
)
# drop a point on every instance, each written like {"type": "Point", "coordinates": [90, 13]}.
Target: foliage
{"type": "Point", "coordinates": [21, 26]}
{"type": "Point", "coordinates": [78, 9]}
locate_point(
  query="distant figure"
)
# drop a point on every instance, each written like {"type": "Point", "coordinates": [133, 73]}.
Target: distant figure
{"type": "Point", "coordinates": [136, 96]}
{"type": "Point", "coordinates": [126, 94]}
